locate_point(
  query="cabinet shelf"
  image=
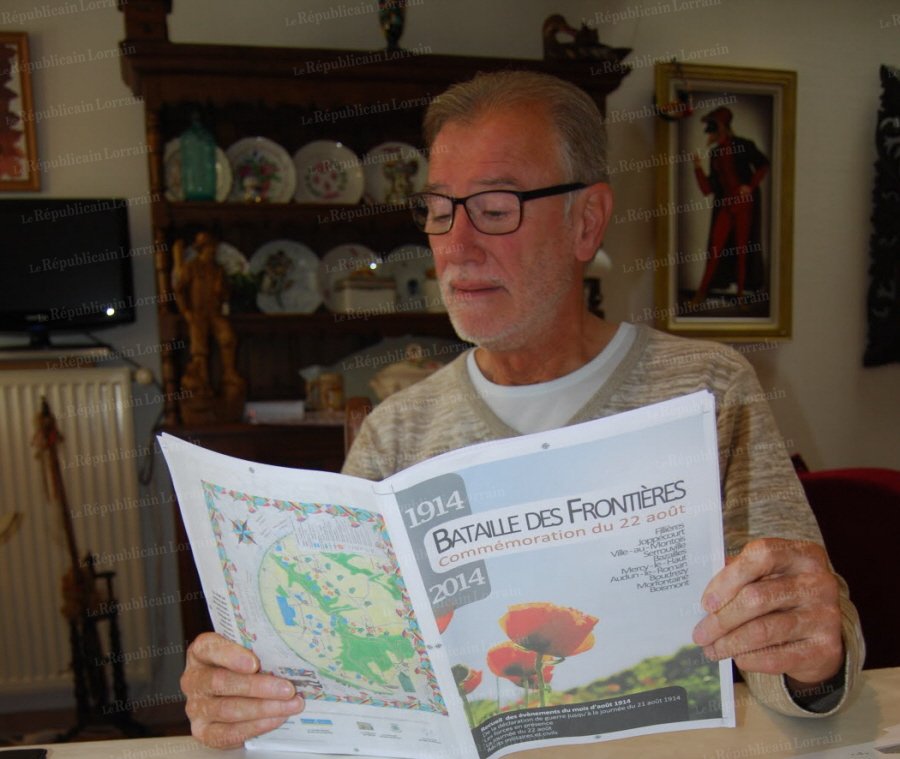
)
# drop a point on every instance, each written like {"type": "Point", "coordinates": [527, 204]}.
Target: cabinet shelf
{"type": "Point", "coordinates": [321, 227]}
{"type": "Point", "coordinates": [325, 323]}
{"type": "Point", "coordinates": [200, 212]}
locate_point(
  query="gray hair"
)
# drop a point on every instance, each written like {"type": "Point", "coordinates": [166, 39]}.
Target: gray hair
{"type": "Point", "coordinates": [578, 122]}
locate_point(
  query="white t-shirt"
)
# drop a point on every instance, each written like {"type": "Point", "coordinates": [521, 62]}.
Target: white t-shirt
{"type": "Point", "coordinates": [548, 405]}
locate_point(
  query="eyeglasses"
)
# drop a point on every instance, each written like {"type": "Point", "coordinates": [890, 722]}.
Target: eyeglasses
{"type": "Point", "coordinates": [492, 212]}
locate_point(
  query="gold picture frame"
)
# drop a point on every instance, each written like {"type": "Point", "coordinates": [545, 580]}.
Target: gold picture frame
{"type": "Point", "coordinates": [725, 199]}
{"type": "Point", "coordinates": [19, 170]}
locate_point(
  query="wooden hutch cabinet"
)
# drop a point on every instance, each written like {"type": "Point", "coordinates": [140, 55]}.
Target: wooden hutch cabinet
{"type": "Point", "coordinates": [291, 96]}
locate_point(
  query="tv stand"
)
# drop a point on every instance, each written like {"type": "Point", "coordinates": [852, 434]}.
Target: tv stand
{"type": "Point", "coordinates": [51, 356]}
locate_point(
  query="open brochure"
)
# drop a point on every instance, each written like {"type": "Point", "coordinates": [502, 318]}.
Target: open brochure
{"type": "Point", "coordinates": [534, 591]}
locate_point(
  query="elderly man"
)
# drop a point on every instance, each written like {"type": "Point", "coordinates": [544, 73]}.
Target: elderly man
{"type": "Point", "coordinates": [517, 203]}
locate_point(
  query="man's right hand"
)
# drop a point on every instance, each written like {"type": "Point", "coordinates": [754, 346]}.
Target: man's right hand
{"type": "Point", "coordinates": [228, 699]}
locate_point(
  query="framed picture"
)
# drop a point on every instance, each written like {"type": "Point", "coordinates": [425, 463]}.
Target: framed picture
{"type": "Point", "coordinates": [18, 149]}
{"type": "Point", "coordinates": [725, 194]}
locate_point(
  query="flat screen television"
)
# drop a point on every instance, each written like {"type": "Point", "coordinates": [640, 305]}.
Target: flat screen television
{"type": "Point", "coordinates": [65, 266]}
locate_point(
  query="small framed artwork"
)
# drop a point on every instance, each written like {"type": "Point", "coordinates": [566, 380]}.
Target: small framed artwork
{"type": "Point", "coordinates": [725, 196]}
{"type": "Point", "coordinates": [18, 150]}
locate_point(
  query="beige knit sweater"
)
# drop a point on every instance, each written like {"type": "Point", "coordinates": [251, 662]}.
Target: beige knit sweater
{"type": "Point", "coordinates": [761, 494]}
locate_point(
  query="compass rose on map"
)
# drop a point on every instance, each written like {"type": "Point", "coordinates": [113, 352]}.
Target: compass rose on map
{"type": "Point", "coordinates": [242, 531]}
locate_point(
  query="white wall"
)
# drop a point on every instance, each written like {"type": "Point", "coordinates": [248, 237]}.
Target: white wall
{"type": "Point", "coordinates": [829, 408]}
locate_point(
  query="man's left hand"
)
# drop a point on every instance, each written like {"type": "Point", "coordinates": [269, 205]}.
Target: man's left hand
{"type": "Point", "coordinates": [774, 609]}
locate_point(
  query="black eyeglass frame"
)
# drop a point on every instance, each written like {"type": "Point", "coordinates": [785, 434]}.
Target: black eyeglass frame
{"type": "Point", "coordinates": [522, 195]}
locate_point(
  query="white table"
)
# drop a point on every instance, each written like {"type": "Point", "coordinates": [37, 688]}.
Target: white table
{"type": "Point", "coordinates": [760, 733]}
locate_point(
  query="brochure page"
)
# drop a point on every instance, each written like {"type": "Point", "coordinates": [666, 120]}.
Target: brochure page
{"type": "Point", "coordinates": [298, 567]}
{"type": "Point", "coordinates": [566, 570]}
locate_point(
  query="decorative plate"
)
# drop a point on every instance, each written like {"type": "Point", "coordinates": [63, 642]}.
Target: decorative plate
{"type": "Point", "coordinates": [328, 172]}
{"type": "Point", "coordinates": [262, 170]}
{"type": "Point", "coordinates": [394, 171]}
{"type": "Point", "coordinates": [339, 263]}
{"type": "Point", "coordinates": [172, 169]}
{"type": "Point", "coordinates": [288, 281]}
{"type": "Point", "coordinates": [409, 266]}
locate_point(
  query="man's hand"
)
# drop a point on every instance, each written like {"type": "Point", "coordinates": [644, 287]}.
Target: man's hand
{"type": "Point", "coordinates": [228, 700]}
{"type": "Point", "coordinates": [774, 608]}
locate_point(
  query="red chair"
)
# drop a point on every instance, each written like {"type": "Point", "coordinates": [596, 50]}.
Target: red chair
{"type": "Point", "coordinates": [858, 511]}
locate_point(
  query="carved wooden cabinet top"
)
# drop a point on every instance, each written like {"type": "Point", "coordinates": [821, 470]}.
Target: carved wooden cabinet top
{"type": "Point", "coordinates": [147, 53]}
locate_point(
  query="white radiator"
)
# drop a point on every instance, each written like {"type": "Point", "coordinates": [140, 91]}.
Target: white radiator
{"type": "Point", "coordinates": [99, 463]}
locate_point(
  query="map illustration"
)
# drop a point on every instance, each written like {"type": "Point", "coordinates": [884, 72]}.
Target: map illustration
{"type": "Point", "coordinates": [326, 594]}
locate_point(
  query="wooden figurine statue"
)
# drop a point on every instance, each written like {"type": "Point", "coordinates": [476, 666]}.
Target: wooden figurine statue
{"type": "Point", "coordinates": [201, 294]}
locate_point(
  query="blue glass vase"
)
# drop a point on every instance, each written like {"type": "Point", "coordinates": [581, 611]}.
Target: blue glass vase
{"type": "Point", "coordinates": [198, 162]}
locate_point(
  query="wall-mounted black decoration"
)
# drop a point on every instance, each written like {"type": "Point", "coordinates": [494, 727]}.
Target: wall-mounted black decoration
{"type": "Point", "coordinates": [883, 301]}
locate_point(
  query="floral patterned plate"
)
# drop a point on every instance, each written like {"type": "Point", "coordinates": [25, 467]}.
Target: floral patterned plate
{"type": "Point", "coordinates": [288, 278]}
{"type": "Point", "coordinates": [328, 172]}
{"type": "Point", "coordinates": [394, 171]}
{"type": "Point", "coordinates": [262, 171]}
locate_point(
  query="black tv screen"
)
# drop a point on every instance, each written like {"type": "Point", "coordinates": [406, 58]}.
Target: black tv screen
{"type": "Point", "coordinates": [65, 265]}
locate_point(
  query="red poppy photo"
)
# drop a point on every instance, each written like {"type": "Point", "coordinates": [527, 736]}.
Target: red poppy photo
{"type": "Point", "coordinates": [534, 665]}
{"type": "Point", "coordinates": [725, 201]}
{"type": "Point", "coordinates": [549, 654]}
{"type": "Point", "coordinates": [467, 680]}
{"type": "Point", "coordinates": [546, 628]}
{"type": "Point", "coordinates": [520, 667]}
{"type": "Point", "coordinates": [18, 150]}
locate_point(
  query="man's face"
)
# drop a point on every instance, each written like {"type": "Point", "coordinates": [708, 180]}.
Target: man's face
{"type": "Point", "coordinates": [504, 291]}
{"type": "Point", "coordinates": [716, 134]}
